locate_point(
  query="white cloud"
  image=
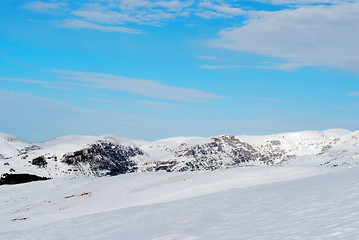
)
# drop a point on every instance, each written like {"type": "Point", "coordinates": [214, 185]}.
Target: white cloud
{"type": "Point", "coordinates": [109, 17]}
{"type": "Point", "coordinates": [102, 100]}
{"type": "Point", "coordinates": [94, 14]}
{"type": "Point", "coordinates": [134, 4]}
{"type": "Point", "coordinates": [307, 36]}
{"type": "Point", "coordinates": [25, 80]}
{"type": "Point", "coordinates": [354, 94]}
{"type": "Point", "coordinates": [222, 8]}
{"type": "Point", "coordinates": [39, 6]}
{"type": "Point", "coordinates": [174, 6]}
{"type": "Point", "coordinates": [212, 14]}
{"type": "Point", "coordinates": [157, 105]}
{"type": "Point", "coordinates": [207, 57]}
{"type": "Point", "coordinates": [81, 24]}
{"type": "Point", "coordinates": [304, 2]}
{"type": "Point", "coordinates": [279, 66]}
{"type": "Point", "coordinates": [142, 87]}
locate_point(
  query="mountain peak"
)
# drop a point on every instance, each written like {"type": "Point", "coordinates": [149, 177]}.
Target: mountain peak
{"type": "Point", "coordinates": [9, 138]}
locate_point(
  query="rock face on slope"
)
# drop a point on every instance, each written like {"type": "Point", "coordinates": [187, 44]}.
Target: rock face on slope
{"type": "Point", "coordinates": [219, 152]}
{"type": "Point", "coordinates": [109, 155]}
{"type": "Point", "coordinates": [104, 158]}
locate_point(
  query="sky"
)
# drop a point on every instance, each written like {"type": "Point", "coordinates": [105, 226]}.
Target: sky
{"type": "Point", "coordinates": [143, 69]}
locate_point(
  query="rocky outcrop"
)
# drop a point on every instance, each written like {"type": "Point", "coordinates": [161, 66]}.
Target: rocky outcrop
{"type": "Point", "coordinates": [104, 158]}
{"type": "Point", "coordinates": [223, 151]}
{"type": "Point", "coordinates": [39, 161]}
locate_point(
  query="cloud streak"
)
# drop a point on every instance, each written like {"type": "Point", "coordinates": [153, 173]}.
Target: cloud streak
{"type": "Point", "coordinates": [141, 87]}
{"type": "Point", "coordinates": [43, 7]}
{"type": "Point", "coordinates": [304, 2]}
{"type": "Point", "coordinates": [81, 24]}
{"type": "Point", "coordinates": [25, 80]}
{"type": "Point", "coordinates": [279, 66]}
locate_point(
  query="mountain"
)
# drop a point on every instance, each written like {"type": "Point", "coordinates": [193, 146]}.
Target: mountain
{"type": "Point", "coordinates": [111, 155]}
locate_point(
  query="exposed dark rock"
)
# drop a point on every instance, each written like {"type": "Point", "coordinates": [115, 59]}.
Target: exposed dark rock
{"type": "Point", "coordinates": [8, 178]}
{"type": "Point", "coordinates": [167, 166]}
{"type": "Point", "coordinates": [105, 157]}
{"type": "Point", "coordinates": [32, 148]}
{"type": "Point", "coordinates": [39, 161]}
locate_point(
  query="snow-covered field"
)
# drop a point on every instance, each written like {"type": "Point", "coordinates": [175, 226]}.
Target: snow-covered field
{"type": "Point", "coordinates": [238, 203]}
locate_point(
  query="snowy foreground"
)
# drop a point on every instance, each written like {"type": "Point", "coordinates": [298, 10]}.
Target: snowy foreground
{"type": "Point", "coordinates": [238, 203]}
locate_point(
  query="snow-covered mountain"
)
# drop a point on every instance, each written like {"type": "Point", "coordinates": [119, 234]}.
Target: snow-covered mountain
{"type": "Point", "coordinates": [110, 155]}
{"type": "Point", "coordinates": [292, 196]}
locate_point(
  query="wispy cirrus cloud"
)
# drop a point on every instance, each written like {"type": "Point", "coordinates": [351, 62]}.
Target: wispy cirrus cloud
{"type": "Point", "coordinates": [81, 24]}
{"type": "Point", "coordinates": [25, 80]}
{"type": "Point", "coordinates": [222, 8]}
{"type": "Point", "coordinates": [104, 15]}
{"type": "Point", "coordinates": [305, 2]}
{"type": "Point", "coordinates": [279, 66]}
{"type": "Point", "coordinates": [157, 105]}
{"type": "Point", "coordinates": [174, 6]}
{"type": "Point", "coordinates": [262, 99]}
{"type": "Point", "coordinates": [203, 57]}
{"type": "Point", "coordinates": [141, 87]}
{"type": "Point", "coordinates": [103, 100]}
{"type": "Point", "coordinates": [40, 6]}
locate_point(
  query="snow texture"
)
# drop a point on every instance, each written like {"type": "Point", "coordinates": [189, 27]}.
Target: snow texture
{"type": "Point", "coordinates": [237, 203]}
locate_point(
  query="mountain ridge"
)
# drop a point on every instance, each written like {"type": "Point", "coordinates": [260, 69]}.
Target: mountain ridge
{"type": "Point", "coordinates": [111, 155]}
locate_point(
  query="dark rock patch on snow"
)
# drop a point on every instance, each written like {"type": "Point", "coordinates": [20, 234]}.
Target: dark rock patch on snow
{"type": "Point", "coordinates": [39, 161]}
{"type": "Point", "coordinates": [19, 178]}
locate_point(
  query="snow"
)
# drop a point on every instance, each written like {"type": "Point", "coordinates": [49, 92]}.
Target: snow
{"type": "Point", "coordinates": [299, 143]}
{"type": "Point", "coordinates": [11, 147]}
{"type": "Point", "coordinates": [343, 151]}
{"type": "Point", "coordinates": [73, 143]}
{"type": "Point", "coordinates": [296, 199]}
{"type": "Point", "coordinates": [238, 203]}
{"type": "Point", "coordinates": [298, 148]}
{"type": "Point", "coordinates": [336, 133]}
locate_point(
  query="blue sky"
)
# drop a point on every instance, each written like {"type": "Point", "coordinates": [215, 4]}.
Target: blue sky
{"type": "Point", "coordinates": [153, 69]}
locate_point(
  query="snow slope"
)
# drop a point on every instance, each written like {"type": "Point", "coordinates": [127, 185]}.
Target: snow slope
{"type": "Point", "coordinates": [238, 203]}
{"type": "Point", "coordinates": [342, 151]}
{"type": "Point", "coordinates": [297, 143]}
